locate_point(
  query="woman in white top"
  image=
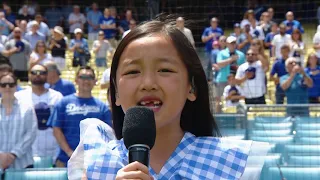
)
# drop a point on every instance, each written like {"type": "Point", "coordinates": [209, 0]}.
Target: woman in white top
{"type": "Point", "coordinates": [40, 54]}
{"type": "Point", "coordinates": [297, 46]}
{"type": "Point", "coordinates": [18, 127]}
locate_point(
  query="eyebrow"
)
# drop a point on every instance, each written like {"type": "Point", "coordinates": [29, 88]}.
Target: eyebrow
{"type": "Point", "coordinates": [158, 60]}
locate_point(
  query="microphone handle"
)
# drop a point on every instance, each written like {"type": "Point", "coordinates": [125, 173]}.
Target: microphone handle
{"type": "Point", "coordinates": [140, 153]}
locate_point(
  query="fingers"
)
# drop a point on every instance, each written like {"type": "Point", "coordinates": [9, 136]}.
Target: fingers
{"type": "Point", "coordinates": [136, 166]}
{"type": "Point", "coordinates": [133, 171]}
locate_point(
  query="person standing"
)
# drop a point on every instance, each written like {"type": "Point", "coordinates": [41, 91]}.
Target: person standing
{"type": "Point", "coordinates": [18, 127]}
{"type": "Point", "coordinates": [108, 25]}
{"type": "Point", "coordinates": [211, 34]}
{"type": "Point", "coordinates": [72, 109]}
{"type": "Point", "coordinates": [79, 47]}
{"type": "Point", "coordinates": [33, 36]}
{"type": "Point", "coordinates": [101, 47]}
{"type": "Point", "coordinates": [43, 100]}
{"type": "Point", "coordinates": [279, 40]}
{"type": "Point", "coordinates": [187, 32]}
{"type": "Point", "coordinates": [313, 70]}
{"type": "Point", "coordinates": [93, 17]}
{"type": "Point", "coordinates": [58, 47]}
{"type": "Point", "coordinates": [76, 20]}
{"type": "Point", "coordinates": [56, 83]}
{"type": "Point", "coordinates": [19, 51]}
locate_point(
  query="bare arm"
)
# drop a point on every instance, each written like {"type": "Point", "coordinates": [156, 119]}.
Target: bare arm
{"type": "Point", "coordinates": [288, 82]}
{"type": "Point", "coordinates": [58, 134]}
{"type": "Point", "coordinates": [228, 61]}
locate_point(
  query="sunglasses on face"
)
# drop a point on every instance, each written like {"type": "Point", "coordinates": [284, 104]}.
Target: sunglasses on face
{"type": "Point", "coordinates": [39, 72]}
{"type": "Point", "coordinates": [292, 62]}
{"type": "Point", "coordinates": [251, 54]}
{"type": "Point", "coordinates": [86, 77]}
{"type": "Point", "coordinates": [11, 85]}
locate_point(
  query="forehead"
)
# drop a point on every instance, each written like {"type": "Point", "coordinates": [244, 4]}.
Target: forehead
{"type": "Point", "coordinates": [85, 71]}
{"type": "Point", "coordinates": [6, 79]}
{"type": "Point", "coordinates": [37, 67]}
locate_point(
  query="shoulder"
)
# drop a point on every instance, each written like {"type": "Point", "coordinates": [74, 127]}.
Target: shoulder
{"type": "Point", "coordinates": [284, 77]}
{"type": "Point", "coordinates": [54, 93]}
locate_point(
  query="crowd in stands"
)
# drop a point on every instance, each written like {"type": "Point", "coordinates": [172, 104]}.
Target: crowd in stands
{"type": "Point", "coordinates": [239, 65]}
{"type": "Point", "coordinates": [46, 116]}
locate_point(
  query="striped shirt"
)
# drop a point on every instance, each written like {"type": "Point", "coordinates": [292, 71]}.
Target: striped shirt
{"type": "Point", "coordinates": [17, 133]}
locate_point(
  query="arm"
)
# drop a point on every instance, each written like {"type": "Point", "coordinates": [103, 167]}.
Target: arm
{"type": "Point", "coordinates": [264, 62]}
{"type": "Point", "coordinates": [286, 84]}
{"type": "Point", "coordinates": [30, 129]}
{"type": "Point", "coordinates": [225, 62]}
{"type": "Point", "coordinates": [10, 25]}
{"type": "Point", "coordinates": [58, 134]}
{"type": "Point", "coordinates": [307, 80]}
{"type": "Point", "coordinates": [273, 51]}
{"type": "Point", "coordinates": [95, 47]}
{"type": "Point", "coordinates": [72, 46]}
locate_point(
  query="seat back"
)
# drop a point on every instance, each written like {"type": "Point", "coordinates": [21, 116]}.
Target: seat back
{"type": "Point", "coordinates": [37, 174]}
{"type": "Point", "coordinates": [291, 173]}
{"type": "Point", "coordinates": [298, 160]}
{"type": "Point", "coordinates": [43, 162]}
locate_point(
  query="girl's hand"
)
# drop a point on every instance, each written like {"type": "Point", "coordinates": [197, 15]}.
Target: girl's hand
{"type": "Point", "coordinates": [134, 170]}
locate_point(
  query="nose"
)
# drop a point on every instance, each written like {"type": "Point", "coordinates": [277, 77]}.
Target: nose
{"type": "Point", "coordinates": [149, 82]}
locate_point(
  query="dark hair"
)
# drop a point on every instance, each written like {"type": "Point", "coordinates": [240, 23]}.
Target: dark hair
{"type": "Point", "coordinates": [196, 117]}
{"type": "Point", "coordinates": [11, 75]}
{"type": "Point", "coordinates": [5, 60]}
{"type": "Point", "coordinates": [285, 46]}
{"type": "Point", "coordinates": [86, 68]}
{"type": "Point", "coordinates": [308, 59]}
{"type": "Point", "coordinates": [5, 67]}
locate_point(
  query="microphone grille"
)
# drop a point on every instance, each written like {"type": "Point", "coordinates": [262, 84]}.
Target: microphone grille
{"type": "Point", "coordinates": [139, 127]}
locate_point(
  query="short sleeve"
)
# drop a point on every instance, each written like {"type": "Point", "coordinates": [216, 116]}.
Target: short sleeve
{"type": "Point", "coordinates": [106, 115]}
{"type": "Point", "coordinates": [273, 42]}
{"type": "Point", "coordinates": [219, 56]}
{"type": "Point", "coordinates": [240, 72]}
{"type": "Point", "coordinates": [205, 33]}
{"type": "Point", "coordinates": [283, 79]}
{"type": "Point", "coordinates": [226, 91]}
{"type": "Point", "coordinates": [273, 69]}
{"type": "Point", "coordinates": [57, 118]}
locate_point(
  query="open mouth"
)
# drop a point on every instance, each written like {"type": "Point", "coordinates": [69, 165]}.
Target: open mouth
{"type": "Point", "coordinates": [155, 105]}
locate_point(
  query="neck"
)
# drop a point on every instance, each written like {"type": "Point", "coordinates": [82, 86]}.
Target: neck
{"type": "Point", "coordinates": [38, 90]}
{"type": "Point", "coordinates": [313, 66]}
{"type": "Point", "coordinates": [167, 140]}
{"type": "Point", "coordinates": [54, 80]}
{"type": "Point", "coordinates": [7, 101]}
{"type": "Point", "coordinates": [84, 94]}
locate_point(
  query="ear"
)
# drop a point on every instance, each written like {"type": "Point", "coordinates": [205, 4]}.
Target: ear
{"type": "Point", "coordinates": [191, 94]}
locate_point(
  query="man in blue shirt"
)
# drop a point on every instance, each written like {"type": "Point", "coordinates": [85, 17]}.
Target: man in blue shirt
{"type": "Point", "coordinates": [93, 18]}
{"type": "Point", "coordinates": [295, 85]}
{"type": "Point", "coordinates": [108, 24]}
{"type": "Point", "coordinates": [53, 15]}
{"type": "Point", "coordinates": [124, 24]}
{"type": "Point", "coordinates": [228, 61]}
{"type": "Point", "coordinates": [244, 40]}
{"type": "Point", "coordinates": [211, 34]}
{"type": "Point", "coordinates": [292, 24]}
{"type": "Point", "coordinates": [56, 83]}
{"type": "Point", "coordinates": [279, 68]}
{"type": "Point", "coordinates": [34, 35]}
{"type": "Point", "coordinates": [270, 36]}
{"type": "Point", "coordinates": [74, 108]}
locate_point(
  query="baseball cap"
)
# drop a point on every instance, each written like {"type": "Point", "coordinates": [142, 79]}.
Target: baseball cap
{"type": "Point", "coordinates": [231, 39]}
{"type": "Point", "coordinates": [236, 25]}
{"type": "Point", "coordinates": [78, 30]}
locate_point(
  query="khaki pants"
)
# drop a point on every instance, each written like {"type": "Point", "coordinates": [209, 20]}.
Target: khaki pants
{"type": "Point", "coordinates": [60, 164]}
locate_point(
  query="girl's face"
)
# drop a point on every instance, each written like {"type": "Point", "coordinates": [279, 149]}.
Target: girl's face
{"type": "Point", "coordinates": [295, 36]}
{"type": "Point", "coordinates": [313, 60]}
{"type": "Point", "coordinates": [41, 48]}
{"type": "Point", "coordinates": [151, 73]}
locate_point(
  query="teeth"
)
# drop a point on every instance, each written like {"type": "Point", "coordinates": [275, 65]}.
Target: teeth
{"type": "Point", "coordinates": [143, 103]}
{"type": "Point", "coordinates": [156, 102]}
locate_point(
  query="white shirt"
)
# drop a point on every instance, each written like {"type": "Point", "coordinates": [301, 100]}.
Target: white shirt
{"type": "Point", "coordinates": [187, 32]}
{"type": "Point", "coordinates": [278, 41]}
{"type": "Point", "coordinates": [260, 30]}
{"type": "Point", "coordinates": [48, 57]}
{"type": "Point", "coordinates": [104, 47]}
{"type": "Point", "coordinates": [229, 103]}
{"type": "Point", "coordinates": [299, 47]}
{"type": "Point", "coordinates": [106, 79]}
{"type": "Point", "coordinates": [253, 88]}
{"type": "Point", "coordinates": [45, 143]}
{"type": "Point", "coordinates": [316, 41]}
{"type": "Point", "coordinates": [73, 17]}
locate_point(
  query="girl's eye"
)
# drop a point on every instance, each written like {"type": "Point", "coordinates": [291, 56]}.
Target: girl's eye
{"type": "Point", "coordinates": [132, 72]}
{"type": "Point", "coordinates": [165, 70]}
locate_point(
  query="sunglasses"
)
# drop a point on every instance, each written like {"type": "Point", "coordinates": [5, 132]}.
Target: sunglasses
{"type": "Point", "coordinates": [293, 62]}
{"type": "Point", "coordinates": [86, 77]}
{"type": "Point", "coordinates": [251, 54]}
{"type": "Point", "coordinates": [11, 85]}
{"type": "Point", "coordinates": [39, 72]}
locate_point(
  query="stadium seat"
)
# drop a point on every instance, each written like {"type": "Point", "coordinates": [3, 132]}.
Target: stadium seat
{"type": "Point", "coordinates": [307, 133]}
{"type": "Point", "coordinates": [272, 119]}
{"type": "Point", "coordinates": [302, 149]}
{"type": "Point", "coordinates": [42, 162]}
{"type": "Point", "coordinates": [278, 140]}
{"type": "Point", "coordinates": [239, 134]}
{"type": "Point", "coordinates": [291, 173]}
{"type": "Point", "coordinates": [303, 160]}
{"type": "Point", "coordinates": [273, 126]}
{"type": "Point", "coordinates": [37, 174]}
{"type": "Point", "coordinates": [270, 133]}
{"type": "Point", "coordinates": [308, 140]}
{"type": "Point", "coordinates": [308, 126]}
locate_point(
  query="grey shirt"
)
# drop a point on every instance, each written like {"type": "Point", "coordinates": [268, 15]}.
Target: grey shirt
{"type": "Point", "coordinates": [105, 46]}
{"type": "Point", "coordinates": [19, 60]}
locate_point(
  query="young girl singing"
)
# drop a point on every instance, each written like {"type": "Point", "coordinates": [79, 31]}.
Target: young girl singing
{"type": "Point", "coordinates": [156, 66]}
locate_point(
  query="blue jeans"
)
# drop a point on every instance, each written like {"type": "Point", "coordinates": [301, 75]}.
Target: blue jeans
{"type": "Point", "coordinates": [101, 62]}
{"type": "Point", "coordinates": [280, 96]}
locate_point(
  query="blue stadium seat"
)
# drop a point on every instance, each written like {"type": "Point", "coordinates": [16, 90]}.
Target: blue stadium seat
{"type": "Point", "coordinates": [37, 174]}
{"type": "Point", "coordinates": [308, 140]}
{"type": "Point", "coordinates": [303, 160]}
{"type": "Point", "coordinates": [307, 119]}
{"type": "Point", "coordinates": [307, 126]}
{"type": "Point", "coordinates": [302, 149]}
{"type": "Point", "coordinates": [272, 119]}
{"type": "Point", "coordinates": [273, 126]}
{"type": "Point", "coordinates": [277, 140]}
{"type": "Point", "coordinates": [291, 173]}
{"type": "Point", "coordinates": [270, 133]}
{"type": "Point", "coordinates": [42, 162]}
{"type": "Point", "coordinates": [239, 134]}
{"type": "Point", "coordinates": [308, 133]}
